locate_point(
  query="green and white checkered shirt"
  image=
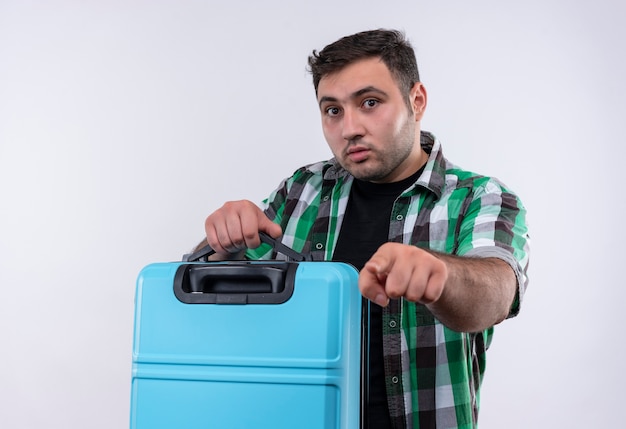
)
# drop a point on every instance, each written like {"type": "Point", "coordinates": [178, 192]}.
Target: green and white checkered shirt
{"type": "Point", "coordinates": [433, 374]}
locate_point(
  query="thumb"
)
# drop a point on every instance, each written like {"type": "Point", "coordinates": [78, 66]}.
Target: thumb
{"type": "Point", "coordinates": [266, 225]}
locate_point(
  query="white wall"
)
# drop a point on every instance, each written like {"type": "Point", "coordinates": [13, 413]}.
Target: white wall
{"type": "Point", "coordinates": [124, 123]}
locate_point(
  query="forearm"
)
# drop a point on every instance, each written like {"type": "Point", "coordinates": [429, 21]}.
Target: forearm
{"type": "Point", "coordinates": [478, 293]}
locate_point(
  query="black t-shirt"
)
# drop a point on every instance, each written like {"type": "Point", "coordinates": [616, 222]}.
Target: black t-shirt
{"type": "Point", "coordinates": [364, 229]}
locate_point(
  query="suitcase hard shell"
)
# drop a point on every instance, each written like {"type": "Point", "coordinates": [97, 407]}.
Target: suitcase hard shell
{"type": "Point", "coordinates": [281, 351]}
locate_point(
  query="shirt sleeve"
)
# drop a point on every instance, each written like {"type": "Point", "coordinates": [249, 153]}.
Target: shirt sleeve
{"type": "Point", "coordinates": [495, 226]}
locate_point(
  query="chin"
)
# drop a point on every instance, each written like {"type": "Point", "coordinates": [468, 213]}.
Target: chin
{"type": "Point", "coordinates": [362, 171]}
{"type": "Point", "coordinates": [369, 176]}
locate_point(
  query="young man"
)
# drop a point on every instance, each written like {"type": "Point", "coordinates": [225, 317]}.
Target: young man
{"type": "Point", "coordinates": [442, 252]}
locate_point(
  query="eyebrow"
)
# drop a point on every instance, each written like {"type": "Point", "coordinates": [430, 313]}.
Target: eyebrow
{"type": "Point", "coordinates": [356, 94]}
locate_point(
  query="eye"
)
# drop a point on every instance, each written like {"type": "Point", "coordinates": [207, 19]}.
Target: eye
{"type": "Point", "coordinates": [370, 103]}
{"type": "Point", "coordinates": [332, 111]}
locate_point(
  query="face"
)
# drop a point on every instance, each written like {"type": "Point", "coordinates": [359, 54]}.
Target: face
{"type": "Point", "coordinates": [368, 126]}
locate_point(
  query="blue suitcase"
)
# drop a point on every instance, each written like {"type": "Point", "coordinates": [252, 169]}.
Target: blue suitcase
{"type": "Point", "coordinates": [243, 344]}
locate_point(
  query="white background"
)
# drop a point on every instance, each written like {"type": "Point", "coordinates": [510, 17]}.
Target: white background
{"type": "Point", "coordinates": [124, 123]}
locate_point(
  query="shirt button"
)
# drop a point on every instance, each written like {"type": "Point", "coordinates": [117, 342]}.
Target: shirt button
{"type": "Point", "coordinates": [326, 197]}
{"type": "Point", "coordinates": [399, 217]}
{"type": "Point", "coordinates": [319, 246]}
{"type": "Point", "coordinates": [395, 379]}
{"type": "Point", "coordinates": [392, 323]}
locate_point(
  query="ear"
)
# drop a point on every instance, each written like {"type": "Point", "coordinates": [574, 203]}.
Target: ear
{"type": "Point", "coordinates": [419, 98]}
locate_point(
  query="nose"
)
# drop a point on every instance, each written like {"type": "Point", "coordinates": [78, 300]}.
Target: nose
{"type": "Point", "coordinates": [352, 128]}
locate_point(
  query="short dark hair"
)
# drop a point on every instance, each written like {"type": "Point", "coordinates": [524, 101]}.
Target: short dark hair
{"type": "Point", "coordinates": [391, 46]}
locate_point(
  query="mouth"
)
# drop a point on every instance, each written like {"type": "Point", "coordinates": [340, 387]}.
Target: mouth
{"type": "Point", "coordinates": [357, 154]}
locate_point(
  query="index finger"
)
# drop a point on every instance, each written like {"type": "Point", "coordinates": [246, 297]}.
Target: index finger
{"type": "Point", "coordinates": [372, 283]}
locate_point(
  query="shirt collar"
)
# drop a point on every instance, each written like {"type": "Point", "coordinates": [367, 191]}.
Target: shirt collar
{"type": "Point", "coordinates": [434, 175]}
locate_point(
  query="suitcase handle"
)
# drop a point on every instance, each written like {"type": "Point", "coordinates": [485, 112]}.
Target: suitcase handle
{"type": "Point", "coordinates": [235, 282]}
{"type": "Point", "coordinates": [206, 251]}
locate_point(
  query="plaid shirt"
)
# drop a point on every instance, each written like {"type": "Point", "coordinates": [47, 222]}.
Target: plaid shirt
{"type": "Point", "coordinates": [433, 374]}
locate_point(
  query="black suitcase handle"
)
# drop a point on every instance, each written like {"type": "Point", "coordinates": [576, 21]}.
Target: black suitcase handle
{"type": "Point", "coordinates": [235, 282]}
{"type": "Point", "coordinates": [206, 251]}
